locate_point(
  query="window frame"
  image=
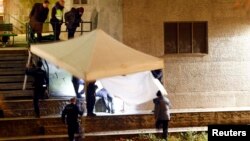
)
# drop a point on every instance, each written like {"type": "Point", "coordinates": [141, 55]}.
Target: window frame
{"type": "Point", "coordinates": [206, 48]}
{"type": "Point", "coordinates": [79, 2]}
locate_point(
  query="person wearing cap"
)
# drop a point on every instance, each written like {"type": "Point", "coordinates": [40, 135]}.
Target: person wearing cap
{"type": "Point", "coordinates": [38, 15]}
{"type": "Point", "coordinates": [40, 84]}
{"type": "Point", "coordinates": [71, 113]}
{"type": "Point", "coordinates": [162, 113]}
{"type": "Point", "coordinates": [57, 18]}
{"type": "Point", "coordinates": [73, 18]}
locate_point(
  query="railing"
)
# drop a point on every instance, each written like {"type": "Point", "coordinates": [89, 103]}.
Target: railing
{"type": "Point", "coordinates": [49, 30]}
{"type": "Point", "coordinates": [8, 17]}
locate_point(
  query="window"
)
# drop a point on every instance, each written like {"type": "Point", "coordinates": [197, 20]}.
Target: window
{"type": "Point", "coordinates": [80, 1]}
{"type": "Point", "coordinates": [185, 37]}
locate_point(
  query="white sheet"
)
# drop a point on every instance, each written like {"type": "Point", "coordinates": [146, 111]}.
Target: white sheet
{"type": "Point", "coordinates": [133, 89]}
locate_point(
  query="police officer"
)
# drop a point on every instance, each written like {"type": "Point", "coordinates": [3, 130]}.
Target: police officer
{"type": "Point", "coordinates": [40, 84]}
{"type": "Point", "coordinates": [57, 18]}
{"type": "Point", "coordinates": [71, 112]}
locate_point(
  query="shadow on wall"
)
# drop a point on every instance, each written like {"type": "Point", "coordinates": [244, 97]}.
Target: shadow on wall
{"type": "Point", "coordinates": [94, 19]}
{"type": "Point", "coordinates": [60, 82]}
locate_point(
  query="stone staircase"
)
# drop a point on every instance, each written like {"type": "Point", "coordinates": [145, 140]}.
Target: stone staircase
{"type": "Point", "coordinates": [12, 70]}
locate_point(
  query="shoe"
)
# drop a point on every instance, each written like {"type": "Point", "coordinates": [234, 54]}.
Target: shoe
{"type": "Point", "coordinates": [91, 114]}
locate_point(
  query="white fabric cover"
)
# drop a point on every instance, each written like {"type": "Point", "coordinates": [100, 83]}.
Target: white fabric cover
{"type": "Point", "coordinates": [133, 89]}
{"type": "Point", "coordinates": [96, 55]}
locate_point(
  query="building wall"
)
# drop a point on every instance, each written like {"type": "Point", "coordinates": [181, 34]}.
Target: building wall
{"type": "Point", "coordinates": [217, 79]}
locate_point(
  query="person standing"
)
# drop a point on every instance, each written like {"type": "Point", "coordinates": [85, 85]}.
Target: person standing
{"type": "Point", "coordinates": [71, 113]}
{"type": "Point", "coordinates": [90, 98]}
{"type": "Point", "coordinates": [76, 84]}
{"type": "Point", "coordinates": [57, 18]}
{"type": "Point", "coordinates": [162, 113]}
{"type": "Point", "coordinates": [73, 18]}
{"type": "Point", "coordinates": [41, 82]}
{"type": "Point", "coordinates": [38, 15]}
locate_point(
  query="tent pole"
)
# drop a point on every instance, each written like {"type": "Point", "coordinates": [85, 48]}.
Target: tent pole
{"type": "Point", "coordinates": [85, 92]}
{"type": "Point", "coordinates": [27, 65]}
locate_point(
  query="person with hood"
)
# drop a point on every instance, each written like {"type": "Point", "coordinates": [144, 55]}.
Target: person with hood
{"type": "Point", "coordinates": [162, 113]}
{"type": "Point", "coordinates": [57, 18]}
{"type": "Point", "coordinates": [38, 15]}
{"type": "Point", "coordinates": [73, 18]}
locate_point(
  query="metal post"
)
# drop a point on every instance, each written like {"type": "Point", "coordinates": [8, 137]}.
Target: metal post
{"type": "Point", "coordinates": [25, 77]}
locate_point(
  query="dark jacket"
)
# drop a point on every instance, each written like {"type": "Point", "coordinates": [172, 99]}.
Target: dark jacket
{"type": "Point", "coordinates": [54, 12]}
{"type": "Point", "coordinates": [37, 16]}
{"type": "Point", "coordinates": [72, 18]}
{"type": "Point", "coordinates": [40, 77]}
{"type": "Point", "coordinates": [161, 110]}
{"type": "Point", "coordinates": [71, 112]}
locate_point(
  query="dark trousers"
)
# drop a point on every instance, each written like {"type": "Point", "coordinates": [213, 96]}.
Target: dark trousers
{"type": "Point", "coordinates": [56, 29]}
{"type": "Point", "coordinates": [72, 130]}
{"type": "Point", "coordinates": [75, 82]}
{"type": "Point", "coordinates": [164, 124]}
{"type": "Point", "coordinates": [90, 103]}
{"type": "Point", "coordinates": [38, 93]}
{"type": "Point", "coordinates": [71, 32]}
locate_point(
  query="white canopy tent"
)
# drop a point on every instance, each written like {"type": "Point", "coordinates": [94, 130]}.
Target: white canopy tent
{"type": "Point", "coordinates": [96, 55]}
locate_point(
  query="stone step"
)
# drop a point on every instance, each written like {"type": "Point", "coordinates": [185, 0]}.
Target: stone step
{"type": "Point", "coordinates": [9, 50]}
{"type": "Point", "coordinates": [13, 57]}
{"type": "Point", "coordinates": [12, 64]}
{"type": "Point", "coordinates": [12, 71]}
{"type": "Point", "coordinates": [105, 136]}
{"type": "Point", "coordinates": [15, 86]}
{"type": "Point", "coordinates": [14, 79]}
{"type": "Point", "coordinates": [122, 122]}
{"type": "Point", "coordinates": [16, 93]}
{"type": "Point", "coordinates": [24, 108]}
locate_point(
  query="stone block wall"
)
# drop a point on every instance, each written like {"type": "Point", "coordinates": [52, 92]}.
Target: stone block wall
{"type": "Point", "coordinates": [217, 79]}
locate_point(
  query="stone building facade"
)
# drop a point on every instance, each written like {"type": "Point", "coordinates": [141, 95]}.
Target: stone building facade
{"type": "Point", "coordinates": [219, 78]}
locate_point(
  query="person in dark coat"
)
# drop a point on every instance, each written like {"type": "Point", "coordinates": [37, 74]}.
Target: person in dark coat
{"type": "Point", "coordinates": [41, 82]}
{"type": "Point", "coordinates": [90, 98]}
{"type": "Point", "coordinates": [162, 113]}
{"type": "Point", "coordinates": [38, 15]}
{"type": "Point", "coordinates": [71, 113]}
{"type": "Point", "coordinates": [57, 18]}
{"type": "Point", "coordinates": [73, 18]}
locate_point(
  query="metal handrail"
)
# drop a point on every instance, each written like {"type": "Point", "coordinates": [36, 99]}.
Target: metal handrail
{"type": "Point", "coordinates": [28, 30]}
